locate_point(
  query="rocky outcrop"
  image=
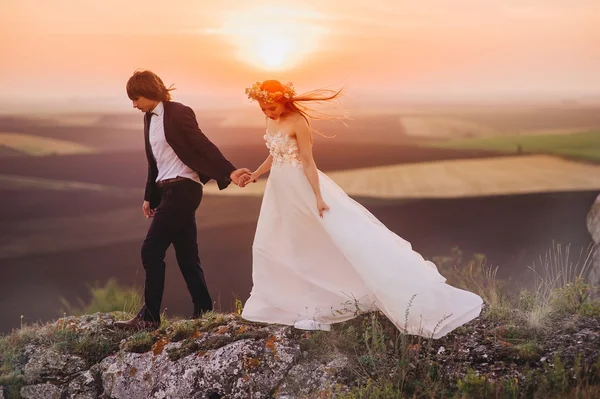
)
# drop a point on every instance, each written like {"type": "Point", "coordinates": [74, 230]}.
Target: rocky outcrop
{"type": "Point", "coordinates": [225, 357]}
{"type": "Point", "coordinates": [221, 358]}
{"type": "Point", "coordinates": [247, 367]}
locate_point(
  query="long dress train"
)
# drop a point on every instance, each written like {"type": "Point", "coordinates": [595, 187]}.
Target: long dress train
{"type": "Point", "coordinates": [311, 272]}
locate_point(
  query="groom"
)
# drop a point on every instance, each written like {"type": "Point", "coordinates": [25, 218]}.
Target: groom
{"type": "Point", "coordinates": [180, 159]}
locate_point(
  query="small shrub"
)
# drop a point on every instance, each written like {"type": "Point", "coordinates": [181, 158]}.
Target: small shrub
{"type": "Point", "coordinates": [557, 380]}
{"type": "Point", "coordinates": [499, 313]}
{"type": "Point", "coordinates": [571, 298]}
{"type": "Point", "coordinates": [373, 389]}
{"type": "Point", "coordinates": [590, 309]}
{"type": "Point", "coordinates": [475, 386]}
{"type": "Point", "coordinates": [211, 320]}
{"type": "Point", "coordinates": [527, 301]}
{"type": "Point", "coordinates": [140, 342]}
{"type": "Point", "coordinates": [11, 348]}
{"type": "Point", "coordinates": [182, 330]}
{"type": "Point", "coordinates": [238, 306]}
{"type": "Point", "coordinates": [528, 351]}
{"type": "Point", "coordinates": [108, 298]}
{"type": "Point", "coordinates": [13, 382]}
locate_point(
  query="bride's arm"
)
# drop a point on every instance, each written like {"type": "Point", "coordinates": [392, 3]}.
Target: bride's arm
{"type": "Point", "coordinates": [303, 137]}
{"type": "Point", "coordinates": [263, 168]}
{"type": "Point", "coordinates": [266, 165]}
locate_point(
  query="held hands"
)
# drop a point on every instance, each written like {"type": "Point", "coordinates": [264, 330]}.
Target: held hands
{"type": "Point", "coordinates": [247, 179]}
{"type": "Point", "coordinates": [239, 176]}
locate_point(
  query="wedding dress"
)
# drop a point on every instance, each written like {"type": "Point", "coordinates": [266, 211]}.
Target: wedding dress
{"type": "Point", "coordinates": [310, 272]}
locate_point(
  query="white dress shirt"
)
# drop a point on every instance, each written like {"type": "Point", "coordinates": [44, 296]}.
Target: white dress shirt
{"type": "Point", "coordinates": [168, 163]}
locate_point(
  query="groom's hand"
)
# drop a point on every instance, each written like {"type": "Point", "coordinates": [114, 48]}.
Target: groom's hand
{"type": "Point", "coordinates": [146, 209]}
{"type": "Point", "coordinates": [236, 176]}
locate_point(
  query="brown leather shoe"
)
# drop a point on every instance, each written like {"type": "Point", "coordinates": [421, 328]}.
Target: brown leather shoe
{"type": "Point", "coordinates": [137, 323]}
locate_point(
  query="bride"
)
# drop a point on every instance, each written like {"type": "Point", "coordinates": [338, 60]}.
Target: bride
{"type": "Point", "coordinates": [319, 257]}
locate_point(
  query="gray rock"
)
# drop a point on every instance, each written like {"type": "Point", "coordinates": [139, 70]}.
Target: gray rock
{"type": "Point", "coordinates": [47, 364]}
{"type": "Point", "coordinates": [593, 225]}
{"type": "Point", "coordinates": [238, 370]}
{"type": "Point", "coordinates": [593, 220]}
{"type": "Point", "coordinates": [99, 323]}
{"type": "Point", "coordinates": [42, 391]}
{"type": "Point", "coordinates": [86, 386]}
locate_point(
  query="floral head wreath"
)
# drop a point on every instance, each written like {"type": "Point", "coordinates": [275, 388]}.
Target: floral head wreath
{"type": "Point", "coordinates": [255, 93]}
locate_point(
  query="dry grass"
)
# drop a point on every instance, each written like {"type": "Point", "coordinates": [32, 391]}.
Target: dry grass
{"type": "Point", "coordinates": [555, 276]}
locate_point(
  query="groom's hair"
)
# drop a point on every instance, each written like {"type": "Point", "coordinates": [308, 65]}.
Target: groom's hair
{"type": "Point", "coordinates": [144, 83]}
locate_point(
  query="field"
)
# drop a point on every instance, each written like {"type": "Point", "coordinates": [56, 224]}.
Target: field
{"type": "Point", "coordinates": [481, 121]}
{"type": "Point", "coordinates": [456, 178]}
{"type": "Point", "coordinates": [74, 219]}
{"type": "Point", "coordinates": [583, 146]}
{"type": "Point", "coordinates": [38, 146]}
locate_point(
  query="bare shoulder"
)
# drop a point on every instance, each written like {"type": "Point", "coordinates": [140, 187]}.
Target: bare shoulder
{"type": "Point", "coordinates": [296, 117]}
{"type": "Point", "coordinates": [297, 123]}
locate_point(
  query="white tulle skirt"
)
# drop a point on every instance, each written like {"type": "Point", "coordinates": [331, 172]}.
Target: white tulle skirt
{"type": "Point", "coordinates": [311, 272]}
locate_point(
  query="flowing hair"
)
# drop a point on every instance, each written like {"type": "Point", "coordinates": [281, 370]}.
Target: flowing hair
{"type": "Point", "coordinates": [318, 96]}
{"type": "Point", "coordinates": [276, 91]}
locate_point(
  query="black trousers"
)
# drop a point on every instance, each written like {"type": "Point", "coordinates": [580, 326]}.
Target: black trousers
{"type": "Point", "coordinates": [174, 223]}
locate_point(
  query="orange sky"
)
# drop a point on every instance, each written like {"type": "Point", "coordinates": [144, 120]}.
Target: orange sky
{"type": "Point", "coordinates": [430, 49]}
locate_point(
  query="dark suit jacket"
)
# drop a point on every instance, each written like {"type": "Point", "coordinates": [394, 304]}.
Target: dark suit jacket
{"type": "Point", "coordinates": [190, 145]}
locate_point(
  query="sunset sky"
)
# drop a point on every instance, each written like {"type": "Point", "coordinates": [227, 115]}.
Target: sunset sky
{"type": "Point", "coordinates": [81, 50]}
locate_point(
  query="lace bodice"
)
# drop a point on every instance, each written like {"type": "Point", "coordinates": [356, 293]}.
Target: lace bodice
{"type": "Point", "coordinates": [284, 149]}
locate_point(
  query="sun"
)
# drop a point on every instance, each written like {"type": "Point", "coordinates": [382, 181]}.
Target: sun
{"type": "Point", "coordinates": [274, 38]}
{"type": "Point", "coordinates": [274, 51]}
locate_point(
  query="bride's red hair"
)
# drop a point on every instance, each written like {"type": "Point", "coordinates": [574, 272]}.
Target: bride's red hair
{"type": "Point", "coordinates": [296, 102]}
